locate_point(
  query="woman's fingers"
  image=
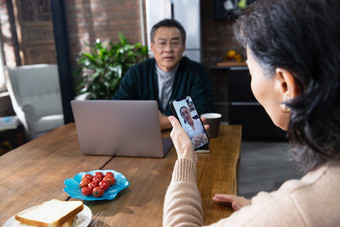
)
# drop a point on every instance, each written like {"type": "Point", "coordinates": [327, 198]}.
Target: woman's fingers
{"type": "Point", "coordinates": [237, 202]}
{"type": "Point", "coordinates": [236, 206]}
{"type": "Point", "coordinates": [177, 130]}
{"type": "Point", "coordinates": [181, 141]}
{"type": "Point", "coordinates": [174, 122]}
{"type": "Point", "coordinates": [223, 198]}
{"type": "Point", "coordinates": [203, 119]}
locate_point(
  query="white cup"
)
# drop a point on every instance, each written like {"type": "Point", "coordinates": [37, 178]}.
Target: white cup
{"type": "Point", "coordinates": [214, 121]}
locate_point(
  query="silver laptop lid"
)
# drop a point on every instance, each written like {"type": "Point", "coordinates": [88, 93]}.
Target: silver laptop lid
{"type": "Point", "coordinates": [119, 128]}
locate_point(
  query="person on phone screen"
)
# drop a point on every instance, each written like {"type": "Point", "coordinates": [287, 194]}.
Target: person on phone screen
{"type": "Point", "coordinates": [293, 56]}
{"type": "Point", "coordinates": [193, 127]}
{"type": "Point", "coordinates": [168, 75]}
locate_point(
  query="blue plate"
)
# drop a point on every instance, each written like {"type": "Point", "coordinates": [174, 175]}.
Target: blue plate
{"type": "Point", "coordinates": [72, 186]}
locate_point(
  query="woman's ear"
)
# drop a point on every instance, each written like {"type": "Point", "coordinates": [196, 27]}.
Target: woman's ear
{"type": "Point", "coordinates": [287, 84]}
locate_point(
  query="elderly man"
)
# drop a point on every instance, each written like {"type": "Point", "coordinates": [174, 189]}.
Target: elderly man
{"type": "Point", "coordinates": [168, 75]}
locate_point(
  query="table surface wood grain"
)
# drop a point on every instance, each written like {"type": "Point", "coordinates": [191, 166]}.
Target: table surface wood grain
{"type": "Point", "coordinates": [35, 172]}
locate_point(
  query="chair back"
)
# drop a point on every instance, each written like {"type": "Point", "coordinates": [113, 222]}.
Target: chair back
{"type": "Point", "coordinates": [34, 89]}
{"type": "Point", "coordinates": [37, 85]}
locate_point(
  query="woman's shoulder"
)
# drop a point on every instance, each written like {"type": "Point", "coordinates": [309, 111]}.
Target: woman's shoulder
{"type": "Point", "coordinates": [314, 198]}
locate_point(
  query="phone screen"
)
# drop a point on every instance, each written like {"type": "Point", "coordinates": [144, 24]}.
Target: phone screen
{"type": "Point", "coordinates": [185, 111]}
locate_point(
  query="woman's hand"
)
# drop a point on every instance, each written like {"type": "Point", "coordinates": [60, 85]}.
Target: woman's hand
{"type": "Point", "coordinates": [181, 141]}
{"type": "Point", "coordinates": [237, 202]}
{"type": "Point", "coordinates": [203, 119]}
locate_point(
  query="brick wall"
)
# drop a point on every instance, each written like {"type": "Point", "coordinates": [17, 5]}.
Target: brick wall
{"type": "Point", "coordinates": [89, 20]}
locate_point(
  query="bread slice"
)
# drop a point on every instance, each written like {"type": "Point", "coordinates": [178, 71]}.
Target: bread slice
{"type": "Point", "coordinates": [53, 213]}
{"type": "Point", "coordinates": [66, 224]}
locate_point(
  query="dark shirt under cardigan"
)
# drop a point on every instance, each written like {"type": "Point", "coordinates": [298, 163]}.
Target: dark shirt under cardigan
{"type": "Point", "coordinates": [191, 78]}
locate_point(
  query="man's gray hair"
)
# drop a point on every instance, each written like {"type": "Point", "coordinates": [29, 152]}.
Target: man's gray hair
{"type": "Point", "coordinates": [168, 23]}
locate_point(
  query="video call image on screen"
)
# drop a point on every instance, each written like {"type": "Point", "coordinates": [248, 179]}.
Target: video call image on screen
{"type": "Point", "coordinates": [186, 112]}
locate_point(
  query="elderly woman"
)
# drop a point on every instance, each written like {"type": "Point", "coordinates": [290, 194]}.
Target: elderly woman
{"type": "Point", "coordinates": [293, 51]}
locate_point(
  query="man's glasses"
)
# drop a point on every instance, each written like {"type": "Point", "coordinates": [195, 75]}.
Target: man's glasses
{"type": "Point", "coordinates": [172, 43]}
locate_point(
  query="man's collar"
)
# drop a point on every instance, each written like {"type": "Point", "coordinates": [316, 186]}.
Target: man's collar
{"type": "Point", "coordinates": [161, 71]}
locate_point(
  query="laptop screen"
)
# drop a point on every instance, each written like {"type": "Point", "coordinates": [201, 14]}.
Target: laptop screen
{"type": "Point", "coordinates": [118, 127]}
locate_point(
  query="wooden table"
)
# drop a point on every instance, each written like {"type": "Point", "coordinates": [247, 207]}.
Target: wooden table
{"type": "Point", "coordinates": [35, 172]}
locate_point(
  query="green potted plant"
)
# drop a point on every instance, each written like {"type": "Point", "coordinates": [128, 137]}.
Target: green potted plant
{"type": "Point", "coordinates": [102, 69]}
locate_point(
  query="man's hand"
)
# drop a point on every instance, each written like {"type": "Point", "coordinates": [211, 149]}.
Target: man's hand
{"type": "Point", "coordinates": [164, 121]}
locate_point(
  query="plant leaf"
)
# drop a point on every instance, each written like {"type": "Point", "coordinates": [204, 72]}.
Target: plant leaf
{"type": "Point", "coordinates": [101, 70]}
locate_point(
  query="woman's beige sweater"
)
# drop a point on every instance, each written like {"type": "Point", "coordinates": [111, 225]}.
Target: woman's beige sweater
{"type": "Point", "coordinates": [313, 200]}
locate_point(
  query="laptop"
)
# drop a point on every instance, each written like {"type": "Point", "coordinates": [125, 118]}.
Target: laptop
{"type": "Point", "coordinates": [119, 128]}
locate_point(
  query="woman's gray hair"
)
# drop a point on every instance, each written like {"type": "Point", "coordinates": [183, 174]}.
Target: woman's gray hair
{"type": "Point", "coordinates": [302, 37]}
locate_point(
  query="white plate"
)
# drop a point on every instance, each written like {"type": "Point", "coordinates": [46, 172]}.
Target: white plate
{"type": "Point", "coordinates": [82, 219]}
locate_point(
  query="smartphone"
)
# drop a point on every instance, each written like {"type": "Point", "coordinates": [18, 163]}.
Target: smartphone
{"type": "Point", "coordinates": [185, 111]}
